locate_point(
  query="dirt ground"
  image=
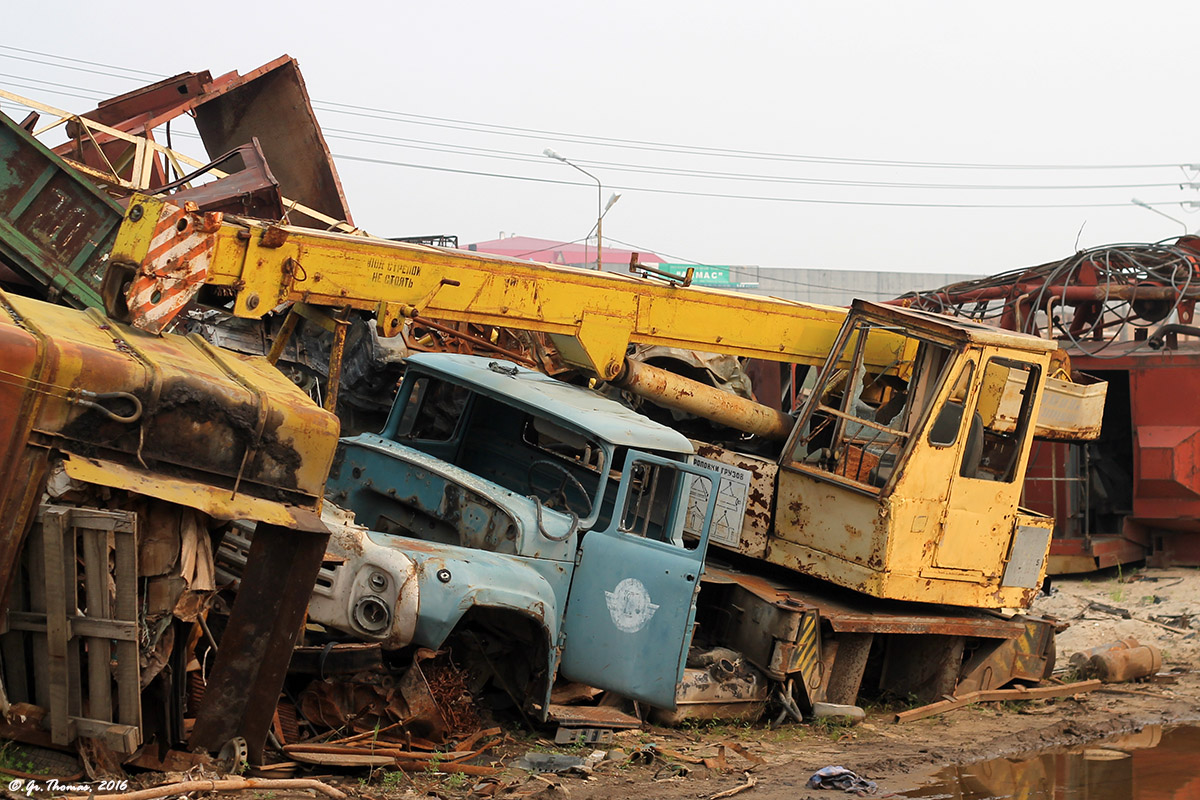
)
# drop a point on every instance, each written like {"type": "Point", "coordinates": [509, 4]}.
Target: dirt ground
{"type": "Point", "coordinates": [900, 757]}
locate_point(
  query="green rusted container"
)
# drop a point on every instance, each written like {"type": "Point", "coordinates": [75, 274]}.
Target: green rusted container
{"type": "Point", "coordinates": [56, 227]}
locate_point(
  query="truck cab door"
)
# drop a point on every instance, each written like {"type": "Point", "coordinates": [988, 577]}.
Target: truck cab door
{"type": "Point", "coordinates": [632, 602]}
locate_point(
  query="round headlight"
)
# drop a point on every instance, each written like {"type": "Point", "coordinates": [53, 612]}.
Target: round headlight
{"type": "Point", "coordinates": [372, 614]}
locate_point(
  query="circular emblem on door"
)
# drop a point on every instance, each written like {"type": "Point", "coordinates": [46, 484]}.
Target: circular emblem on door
{"type": "Point", "coordinates": [629, 605]}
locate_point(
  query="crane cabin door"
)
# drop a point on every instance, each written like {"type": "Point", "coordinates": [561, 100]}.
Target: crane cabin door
{"type": "Point", "coordinates": [993, 425]}
{"type": "Point", "coordinates": [632, 602]}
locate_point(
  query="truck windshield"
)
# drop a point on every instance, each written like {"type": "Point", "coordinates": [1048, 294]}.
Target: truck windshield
{"type": "Point", "coordinates": [522, 452]}
{"type": "Point", "coordinates": [433, 410]}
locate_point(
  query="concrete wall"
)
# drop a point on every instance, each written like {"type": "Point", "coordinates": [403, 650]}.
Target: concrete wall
{"type": "Point", "coordinates": [839, 287]}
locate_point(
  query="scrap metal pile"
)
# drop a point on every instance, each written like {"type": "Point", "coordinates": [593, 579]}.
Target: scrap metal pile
{"type": "Point", "coordinates": [1092, 300]}
{"type": "Point", "coordinates": [128, 455]}
{"type": "Point", "coordinates": [176, 583]}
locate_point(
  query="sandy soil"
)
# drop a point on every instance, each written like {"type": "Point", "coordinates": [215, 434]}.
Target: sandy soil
{"type": "Point", "coordinates": [901, 757]}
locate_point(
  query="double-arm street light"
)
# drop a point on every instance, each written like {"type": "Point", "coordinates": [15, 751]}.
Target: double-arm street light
{"type": "Point", "coordinates": [1149, 207]}
{"type": "Point", "coordinates": [601, 210]}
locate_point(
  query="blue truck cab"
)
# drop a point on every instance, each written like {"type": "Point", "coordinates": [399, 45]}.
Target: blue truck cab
{"type": "Point", "coordinates": [542, 511]}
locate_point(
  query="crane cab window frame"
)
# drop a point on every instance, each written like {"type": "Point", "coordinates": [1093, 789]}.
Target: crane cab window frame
{"type": "Point", "coordinates": [947, 424]}
{"type": "Point", "coordinates": [864, 415]}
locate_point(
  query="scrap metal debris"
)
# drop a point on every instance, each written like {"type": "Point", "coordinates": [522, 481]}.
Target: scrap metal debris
{"type": "Point", "coordinates": [427, 719]}
{"type": "Point", "coordinates": [393, 746]}
{"type": "Point", "coordinates": [1118, 662]}
{"type": "Point", "coordinates": [558, 763]}
{"type": "Point", "coordinates": [431, 700]}
{"type": "Point", "coordinates": [701, 756]}
{"type": "Point", "coordinates": [841, 778]}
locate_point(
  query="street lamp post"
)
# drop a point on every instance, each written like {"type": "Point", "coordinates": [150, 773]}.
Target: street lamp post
{"type": "Point", "coordinates": [1149, 207]}
{"type": "Point", "coordinates": [600, 208]}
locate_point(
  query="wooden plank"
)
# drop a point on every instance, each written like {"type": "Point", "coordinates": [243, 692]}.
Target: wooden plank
{"type": "Point", "coordinates": [53, 523]}
{"type": "Point", "coordinates": [99, 520]}
{"type": "Point", "coordinates": [95, 575]}
{"type": "Point", "coordinates": [71, 598]}
{"type": "Point", "coordinates": [124, 739]}
{"type": "Point", "coordinates": [129, 694]}
{"type": "Point", "coordinates": [996, 695]}
{"type": "Point", "coordinates": [79, 626]}
{"type": "Point", "coordinates": [12, 646]}
{"type": "Point", "coordinates": [35, 552]}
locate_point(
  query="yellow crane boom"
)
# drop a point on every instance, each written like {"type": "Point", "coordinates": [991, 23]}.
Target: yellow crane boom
{"type": "Point", "coordinates": [168, 253]}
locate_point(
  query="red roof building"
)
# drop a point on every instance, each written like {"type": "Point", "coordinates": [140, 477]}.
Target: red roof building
{"type": "Point", "coordinates": [571, 254]}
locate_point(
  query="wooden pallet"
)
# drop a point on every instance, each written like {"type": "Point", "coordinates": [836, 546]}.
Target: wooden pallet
{"type": "Point", "coordinates": [61, 625]}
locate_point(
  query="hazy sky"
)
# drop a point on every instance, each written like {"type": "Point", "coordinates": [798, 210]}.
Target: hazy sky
{"type": "Point", "coordinates": [713, 120]}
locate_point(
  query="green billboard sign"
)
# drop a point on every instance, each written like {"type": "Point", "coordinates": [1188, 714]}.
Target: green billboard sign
{"type": "Point", "coordinates": [708, 275]}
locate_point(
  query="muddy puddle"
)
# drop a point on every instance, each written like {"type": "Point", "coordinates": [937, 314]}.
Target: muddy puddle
{"type": "Point", "coordinates": [1156, 763]}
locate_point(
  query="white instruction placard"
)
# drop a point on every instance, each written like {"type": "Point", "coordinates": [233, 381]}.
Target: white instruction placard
{"type": "Point", "coordinates": [731, 502]}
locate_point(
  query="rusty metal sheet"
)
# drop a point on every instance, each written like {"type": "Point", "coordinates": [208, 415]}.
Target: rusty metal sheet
{"type": "Point", "coordinates": [135, 112]}
{"type": "Point", "coordinates": [247, 674]}
{"type": "Point", "coordinates": [955, 329]}
{"type": "Point", "coordinates": [738, 692]}
{"type": "Point", "coordinates": [272, 103]}
{"type": "Point", "coordinates": [1070, 411]}
{"type": "Point", "coordinates": [591, 717]}
{"type": "Point", "coordinates": [56, 229]}
{"type": "Point", "coordinates": [251, 190]}
{"type": "Point", "coordinates": [751, 537]}
{"type": "Point", "coordinates": [23, 469]}
{"type": "Point", "coordinates": [212, 500]}
{"type": "Point", "coordinates": [850, 613]}
{"type": "Point", "coordinates": [1028, 657]}
{"type": "Point", "coordinates": [174, 405]}
{"type": "Point", "coordinates": [151, 103]}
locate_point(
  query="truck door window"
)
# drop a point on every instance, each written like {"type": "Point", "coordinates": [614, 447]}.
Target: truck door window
{"type": "Point", "coordinates": [1000, 421]}
{"type": "Point", "coordinates": [433, 411]}
{"type": "Point", "coordinates": [863, 414]}
{"type": "Point", "coordinates": [655, 506]}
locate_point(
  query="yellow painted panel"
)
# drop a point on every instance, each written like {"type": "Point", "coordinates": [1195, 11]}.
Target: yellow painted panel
{"type": "Point", "coordinates": [212, 500]}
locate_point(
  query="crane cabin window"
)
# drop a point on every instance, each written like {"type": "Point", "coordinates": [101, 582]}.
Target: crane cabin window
{"type": "Point", "coordinates": [1000, 422]}
{"type": "Point", "coordinates": [864, 411]}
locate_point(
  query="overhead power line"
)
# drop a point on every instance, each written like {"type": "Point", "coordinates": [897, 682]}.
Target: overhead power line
{"type": "Point", "coordinates": [511, 155]}
{"type": "Point", "coordinates": [727, 196]}
{"type": "Point", "coordinates": [45, 90]}
{"type": "Point", "coordinates": [371, 112]}
{"type": "Point", "coordinates": [154, 75]}
{"type": "Point", "coordinates": [52, 83]}
{"type": "Point", "coordinates": [636, 144]}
